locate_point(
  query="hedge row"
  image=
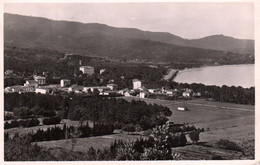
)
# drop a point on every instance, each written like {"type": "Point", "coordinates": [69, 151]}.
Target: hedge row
{"type": "Point", "coordinates": [51, 121]}
{"type": "Point", "coordinates": [21, 123]}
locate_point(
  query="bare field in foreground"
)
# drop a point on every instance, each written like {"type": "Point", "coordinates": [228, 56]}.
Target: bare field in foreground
{"type": "Point", "coordinates": [199, 152]}
{"type": "Point", "coordinates": [83, 144]}
{"type": "Point", "coordinates": [224, 120]}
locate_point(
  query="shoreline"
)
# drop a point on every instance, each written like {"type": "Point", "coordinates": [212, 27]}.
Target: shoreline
{"type": "Point", "coordinates": [199, 80]}
{"type": "Point", "coordinates": [209, 66]}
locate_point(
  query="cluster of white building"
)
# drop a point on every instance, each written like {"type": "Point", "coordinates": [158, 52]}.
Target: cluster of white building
{"type": "Point", "coordinates": [101, 90]}
{"type": "Point", "coordinates": [38, 85]}
{"type": "Point", "coordinates": [140, 91]}
{"type": "Point", "coordinates": [29, 85]}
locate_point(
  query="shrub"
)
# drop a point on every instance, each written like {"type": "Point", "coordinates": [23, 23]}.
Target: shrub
{"type": "Point", "coordinates": [29, 123]}
{"type": "Point", "coordinates": [22, 112]}
{"type": "Point", "coordinates": [23, 123]}
{"type": "Point", "coordinates": [129, 128]}
{"type": "Point", "coordinates": [118, 125]}
{"type": "Point", "coordinates": [8, 116]}
{"type": "Point", "coordinates": [229, 145]}
{"type": "Point", "coordinates": [12, 124]}
{"type": "Point", "coordinates": [194, 136]}
{"type": "Point", "coordinates": [102, 129]}
{"type": "Point", "coordinates": [248, 147]}
{"type": "Point", "coordinates": [52, 120]}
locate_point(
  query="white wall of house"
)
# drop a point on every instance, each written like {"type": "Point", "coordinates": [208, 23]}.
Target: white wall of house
{"type": "Point", "coordinates": [142, 95]}
{"type": "Point", "coordinates": [137, 84]}
{"type": "Point", "coordinates": [181, 108]}
{"type": "Point", "coordinates": [87, 70]}
{"type": "Point", "coordinates": [186, 94]}
{"type": "Point", "coordinates": [41, 91]}
{"type": "Point", "coordinates": [64, 82]}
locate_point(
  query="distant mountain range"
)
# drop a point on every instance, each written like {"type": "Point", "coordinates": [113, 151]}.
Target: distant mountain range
{"type": "Point", "coordinates": [125, 43]}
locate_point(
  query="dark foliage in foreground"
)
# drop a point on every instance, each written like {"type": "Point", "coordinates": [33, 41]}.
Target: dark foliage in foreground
{"type": "Point", "coordinates": [51, 121]}
{"type": "Point", "coordinates": [97, 109]}
{"type": "Point", "coordinates": [58, 133]}
{"type": "Point", "coordinates": [21, 123]}
{"type": "Point", "coordinates": [194, 136]}
{"type": "Point", "coordinates": [229, 145]}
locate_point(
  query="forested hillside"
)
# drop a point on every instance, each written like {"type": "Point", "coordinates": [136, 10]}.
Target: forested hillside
{"type": "Point", "coordinates": [120, 43]}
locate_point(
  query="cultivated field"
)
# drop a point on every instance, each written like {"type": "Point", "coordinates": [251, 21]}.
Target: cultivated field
{"type": "Point", "coordinates": [83, 144]}
{"type": "Point", "coordinates": [224, 120]}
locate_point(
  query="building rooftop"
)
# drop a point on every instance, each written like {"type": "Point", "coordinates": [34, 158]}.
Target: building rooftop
{"type": "Point", "coordinates": [88, 67]}
{"type": "Point", "coordinates": [31, 81]}
{"type": "Point", "coordinates": [136, 80]}
{"type": "Point", "coordinates": [39, 77]}
{"type": "Point", "coordinates": [98, 87]}
{"type": "Point", "coordinates": [111, 85]}
{"type": "Point", "coordinates": [76, 87]}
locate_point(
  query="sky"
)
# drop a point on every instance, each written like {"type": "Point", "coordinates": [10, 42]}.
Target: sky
{"type": "Point", "coordinates": [187, 20]}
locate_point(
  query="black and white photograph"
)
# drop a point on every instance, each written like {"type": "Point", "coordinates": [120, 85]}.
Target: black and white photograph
{"type": "Point", "coordinates": [129, 81]}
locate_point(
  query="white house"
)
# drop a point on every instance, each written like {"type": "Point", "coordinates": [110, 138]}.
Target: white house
{"type": "Point", "coordinates": [8, 90]}
{"type": "Point", "coordinates": [41, 80]}
{"type": "Point", "coordinates": [42, 91]}
{"type": "Point", "coordinates": [197, 94]}
{"type": "Point", "coordinates": [181, 109]}
{"type": "Point", "coordinates": [89, 70]}
{"type": "Point", "coordinates": [9, 72]}
{"type": "Point", "coordinates": [98, 88]}
{"type": "Point", "coordinates": [142, 95]}
{"type": "Point", "coordinates": [186, 94]}
{"type": "Point", "coordinates": [64, 82]}
{"type": "Point", "coordinates": [75, 88]}
{"type": "Point", "coordinates": [122, 91]}
{"type": "Point", "coordinates": [16, 88]}
{"type": "Point", "coordinates": [31, 83]}
{"type": "Point", "coordinates": [28, 89]}
{"type": "Point", "coordinates": [171, 92]}
{"type": "Point", "coordinates": [151, 90]}
{"type": "Point", "coordinates": [107, 93]}
{"type": "Point", "coordinates": [136, 84]}
{"type": "Point", "coordinates": [19, 88]}
{"type": "Point", "coordinates": [112, 86]}
{"type": "Point", "coordinates": [127, 94]}
{"type": "Point", "coordinates": [102, 71]}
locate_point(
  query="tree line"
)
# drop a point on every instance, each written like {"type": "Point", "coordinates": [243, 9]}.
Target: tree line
{"type": "Point", "coordinates": [67, 132]}
{"type": "Point", "coordinates": [79, 108]}
{"type": "Point", "coordinates": [232, 94]}
{"type": "Point", "coordinates": [31, 122]}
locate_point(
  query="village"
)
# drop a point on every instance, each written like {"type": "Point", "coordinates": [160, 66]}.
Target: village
{"type": "Point", "coordinates": [38, 85]}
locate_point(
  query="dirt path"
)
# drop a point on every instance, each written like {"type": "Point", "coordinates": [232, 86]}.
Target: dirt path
{"type": "Point", "coordinates": [222, 107]}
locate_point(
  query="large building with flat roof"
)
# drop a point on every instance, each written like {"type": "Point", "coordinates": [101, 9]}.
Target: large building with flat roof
{"type": "Point", "coordinates": [41, 80]}
{"type": "Point", "coordinates": [89, 70]}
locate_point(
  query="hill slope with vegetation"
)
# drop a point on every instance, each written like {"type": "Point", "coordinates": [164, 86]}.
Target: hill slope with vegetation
{"type": "Point", "coordinates": [105, 41]}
